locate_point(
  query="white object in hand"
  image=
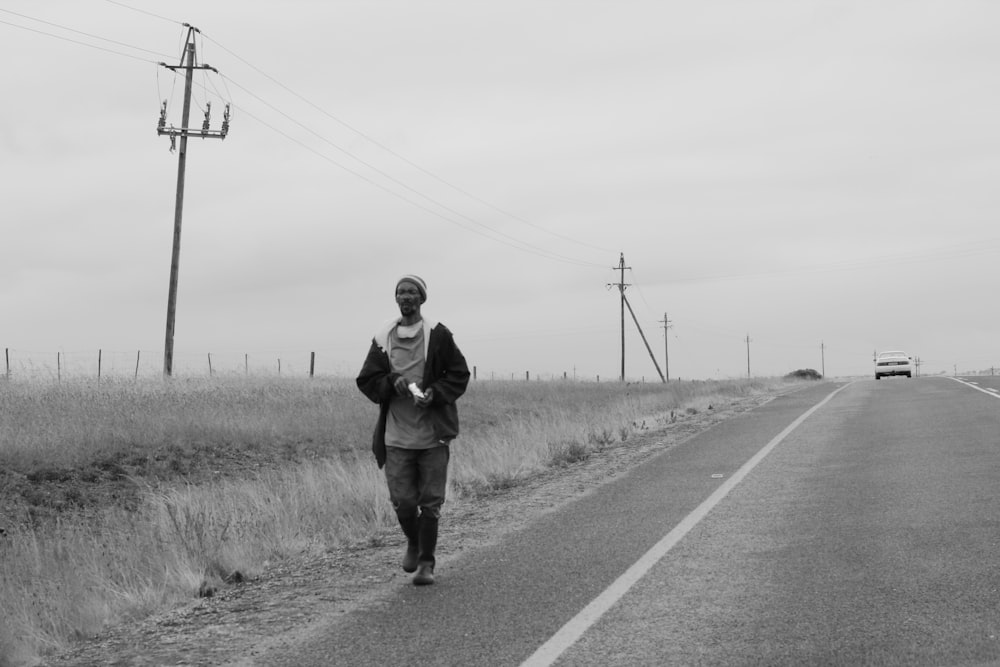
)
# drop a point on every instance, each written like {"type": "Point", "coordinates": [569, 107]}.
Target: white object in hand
{"type": "Point", "coordinates": [415, 390]}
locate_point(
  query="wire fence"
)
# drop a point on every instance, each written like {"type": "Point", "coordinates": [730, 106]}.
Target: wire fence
{"type": "Point", "coordinates": [118, 365]}
{"type": "Point", "coordinates": [110, 365]}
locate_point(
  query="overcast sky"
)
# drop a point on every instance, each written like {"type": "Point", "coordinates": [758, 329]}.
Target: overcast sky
{"type": "Point", "coordinates": [818, 177]}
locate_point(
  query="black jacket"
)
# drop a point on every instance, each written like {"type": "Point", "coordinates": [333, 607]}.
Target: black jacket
{"type": "Point", "coordinates": [445, 371]}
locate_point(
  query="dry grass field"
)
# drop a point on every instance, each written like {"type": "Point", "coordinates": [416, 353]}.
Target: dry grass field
{"type": "Point", "coordinates": [122, 499]}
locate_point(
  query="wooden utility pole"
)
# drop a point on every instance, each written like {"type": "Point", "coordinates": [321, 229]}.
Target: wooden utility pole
{"type": "Point", "coordinates": [667, 324]}
{"type": "Point", "coordinates": [183, 132]}
{"type": "Point", "coordinates": [748, 355]}
{"type": "Point", "coordinates": [621, 288]}
{"type": "Point", "coordinates": [822, 357]}
{"type": "Point", "coordinates": [621, 285]}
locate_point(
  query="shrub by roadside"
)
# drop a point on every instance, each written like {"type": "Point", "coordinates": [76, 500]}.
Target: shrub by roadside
{"type": "Point", "coordinates": [804, 374]}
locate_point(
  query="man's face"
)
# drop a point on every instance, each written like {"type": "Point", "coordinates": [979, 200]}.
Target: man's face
{"type": "Point", "coordinates": [408, 298]}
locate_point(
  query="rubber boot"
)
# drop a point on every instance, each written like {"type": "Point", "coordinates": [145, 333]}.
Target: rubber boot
{"type": "Point", "coordinates": [412, 555]}
{"type": "Point", "coordinates": [427, 534]}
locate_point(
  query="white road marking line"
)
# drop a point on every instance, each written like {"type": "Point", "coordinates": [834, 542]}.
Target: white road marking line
{"type": "Point", "coordinates": [570, 633]}
{"type": "Point", "coordinates": [972, 385]}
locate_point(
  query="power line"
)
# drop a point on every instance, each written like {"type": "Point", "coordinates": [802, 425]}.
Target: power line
{"type": "Point", "coordinates": [143, 11]}
{"type": "Point", "coordinates": [523, 245]}
{"type": "Point", "coordinates": [498, 236]}
{"type": "Point", "coordinates": [395, 154]}
{"type": "Point", "coordinates": [78, 32]}
{"type": "Point", "coordinates": [490, 232]}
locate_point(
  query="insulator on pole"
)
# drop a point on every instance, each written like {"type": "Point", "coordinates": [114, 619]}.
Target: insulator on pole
{"type": "Point", "coordinates": [208, 116]}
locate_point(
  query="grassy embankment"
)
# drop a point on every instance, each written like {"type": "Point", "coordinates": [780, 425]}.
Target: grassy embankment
{"type": "Point", "coordinates": [121, 499]}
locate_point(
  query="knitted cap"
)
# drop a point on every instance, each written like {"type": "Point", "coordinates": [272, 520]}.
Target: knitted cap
{"type": "Point", "coordinates": [418, 282]}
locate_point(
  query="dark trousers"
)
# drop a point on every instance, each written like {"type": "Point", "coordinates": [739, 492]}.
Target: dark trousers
{"type": "Point", "coordinates": [417, 479]}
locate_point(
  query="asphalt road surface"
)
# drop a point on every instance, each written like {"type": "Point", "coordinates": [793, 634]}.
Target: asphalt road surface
{"type": "Point", "coordinates": [844, 524]}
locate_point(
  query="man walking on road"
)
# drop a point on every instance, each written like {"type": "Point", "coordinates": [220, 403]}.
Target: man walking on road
{"type": "Point", "coordinates": [416, 373]}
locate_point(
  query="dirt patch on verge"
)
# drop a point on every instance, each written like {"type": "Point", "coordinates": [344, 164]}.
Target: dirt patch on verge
{"type": "Point", "coordinates": [296, 597]}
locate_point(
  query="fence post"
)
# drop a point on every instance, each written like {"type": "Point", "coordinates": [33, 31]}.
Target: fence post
{"type": "Point", "coordinates": [98, 366]}
{"type": "Point", "coordinates": [59, 367]}
{"type": "Point", "coordinates": [137, 353]}
{"type": "Point", "coordinates": [209, 364]}
{"type": "Point", "coordinates": [312, 364]}
{"type": "Point", "coordinates": [6, 354]}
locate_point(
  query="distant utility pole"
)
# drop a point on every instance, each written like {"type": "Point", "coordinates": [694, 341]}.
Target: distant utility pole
{"type": "Point", "coordinates": [822, 358]}
{"type": "Point", "coordinates": [621, 288]}
{"type": "Point", "coordinates": [748, 355]}
{"type": "Point", "coordinates": [621, 285]}
{"type": "Point", "coordinates": [667, 324]}
{"type": "Point", "coordinates": [184, 131]}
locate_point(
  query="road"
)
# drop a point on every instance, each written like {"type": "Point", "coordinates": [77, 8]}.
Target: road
{"type": "Point", "coordinates": [846, 524]}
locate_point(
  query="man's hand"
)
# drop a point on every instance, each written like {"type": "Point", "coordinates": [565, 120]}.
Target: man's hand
{"type": "Point", "coordinates": [427, 398]}
{"type": "Point", "coordinates": [400, 386]}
